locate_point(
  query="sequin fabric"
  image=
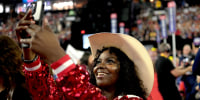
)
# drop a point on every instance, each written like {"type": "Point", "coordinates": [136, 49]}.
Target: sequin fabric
{"type": "Point", "coordinates": [74, 85]}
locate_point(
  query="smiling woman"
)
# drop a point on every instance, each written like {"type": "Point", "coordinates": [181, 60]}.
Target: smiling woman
{"type": "Point", "coordinates": [106, 70]}
{"type": "Point", "coordinates": [135, 76]}
{"type": "Point", "coordinates": [115, 74]}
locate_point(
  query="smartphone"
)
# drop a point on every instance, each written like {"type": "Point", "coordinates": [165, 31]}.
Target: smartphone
{"type": "Point", "coordinates": [37, 13]}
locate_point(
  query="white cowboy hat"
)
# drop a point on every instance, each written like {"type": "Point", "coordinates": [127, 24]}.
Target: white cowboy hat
{"type": "Point", "coordinates": [132, 48]}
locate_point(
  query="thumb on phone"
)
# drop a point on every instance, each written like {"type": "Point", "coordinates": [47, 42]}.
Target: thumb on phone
{"type": "Point", "coordinates": [28, 15]}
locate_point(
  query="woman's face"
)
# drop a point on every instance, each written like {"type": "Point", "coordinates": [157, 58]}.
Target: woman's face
{"type": "Point", "coordinates": [107, 69]}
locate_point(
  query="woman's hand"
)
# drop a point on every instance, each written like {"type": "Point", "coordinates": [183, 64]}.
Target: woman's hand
{"type": "Point", "coordinates": [23, 24]}
{"type": "Point", "coordinates": [44, 43]}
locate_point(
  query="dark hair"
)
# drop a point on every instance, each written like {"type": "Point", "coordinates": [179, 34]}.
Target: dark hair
{"type": "Point", "coordinates": [129, 81]}
{"type": "Point", "coordinates": [11, 63]}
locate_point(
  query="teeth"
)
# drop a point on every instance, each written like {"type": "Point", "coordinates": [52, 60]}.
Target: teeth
{"type": "Point", "coordinates": [99, 74]}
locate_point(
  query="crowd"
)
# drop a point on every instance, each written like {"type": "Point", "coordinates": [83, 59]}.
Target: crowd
{"type": "Point", "coordinates": [187, 20]}
{"type": "Point", "coordinates": [186, 83]}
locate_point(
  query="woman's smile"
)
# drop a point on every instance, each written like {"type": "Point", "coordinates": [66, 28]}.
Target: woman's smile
{"type": "Point", "coordinates": [101, 75]}
{"type": "Point", "coordinates": [107, 69]}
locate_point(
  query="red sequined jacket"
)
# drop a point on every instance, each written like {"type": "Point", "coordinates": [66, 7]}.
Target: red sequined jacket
{"type": "Point", "coordinates": [68, 82]}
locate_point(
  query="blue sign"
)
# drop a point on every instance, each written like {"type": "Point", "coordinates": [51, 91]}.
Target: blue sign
{"type": "Point", "coordinates": [121, 28]}
{"type": "Point", "coordinates": [113, 17]}
{"type": "Point", "coordinates": [172, 16]}
{"type": "Point", "coordinates": [158, 36]}
{"type": "Point", "coordinates": [163, 26]}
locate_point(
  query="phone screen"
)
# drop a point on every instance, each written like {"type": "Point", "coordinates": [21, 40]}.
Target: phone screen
{"type": "Point", "coordinates": [37, 11]}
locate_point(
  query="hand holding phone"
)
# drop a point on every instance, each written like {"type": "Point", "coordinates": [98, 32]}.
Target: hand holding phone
{"type": "Point", "coordinates": [33, 16]}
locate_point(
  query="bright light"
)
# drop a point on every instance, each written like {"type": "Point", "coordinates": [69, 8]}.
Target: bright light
{"type": "Point", "coordinates": [63, 5]}
{"type": "Point", "coordinates": [24, 5]}
{"type": "Point", "coordinates": [7, 9]}
{"type": "Point", "coordinates": [151, 0]}
{"type": "Point", "coordinates": [1, 8]}
{"type": "Point", "coordinates": [47, 6]}
{"type": "Point", "coordinates": [82, 31]}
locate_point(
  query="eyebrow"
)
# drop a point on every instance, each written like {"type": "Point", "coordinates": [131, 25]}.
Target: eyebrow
{"type": "Point", "coordinates": [112, 57]}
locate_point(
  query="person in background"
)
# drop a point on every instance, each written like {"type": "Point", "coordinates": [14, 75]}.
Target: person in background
{"type": "Point", "coordinates": [87, 60]}
{"type": "Point", "coordinates": [155, 93]}
{"type": "Point", "coordinates": [188, 78]}
{"type": "Point", "coordinates": [196, 71]}
{"type": "Point", "coordinates": [153, 54]}
{"type": "Point", "coordinates": [187, 55]}
{"type": "Point", "coordinates": [121, 70]}
{"type": "Point", "coordinates": [195, 45]}
{"type": "Point", "coordinates": [167, 73]}
{"type": "Point", "coordinates": [195, 48]}
{"type": "Point", "coordinates": [12, 79]}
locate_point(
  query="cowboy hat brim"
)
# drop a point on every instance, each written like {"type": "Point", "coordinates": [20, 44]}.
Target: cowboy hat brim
{"type": "Point", "coordinates": [132, 48]}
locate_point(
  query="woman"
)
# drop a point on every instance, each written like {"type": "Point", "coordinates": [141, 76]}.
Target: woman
{"type": "Point", "coordinates": [132, 78]}
{"type": "Point", "coordinates": [12, 80]}
{"type": "Point", "coordinates": [114, 60]}
{"type": "Point", "coordinates": [117, 76]}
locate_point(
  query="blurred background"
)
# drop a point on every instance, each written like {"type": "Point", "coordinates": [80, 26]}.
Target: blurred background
{"type": "Point", "coordinates": [74, 20]}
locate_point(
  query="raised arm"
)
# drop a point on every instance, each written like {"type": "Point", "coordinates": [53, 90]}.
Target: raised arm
{"type": "Point", "coordinates": [36, 73]}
